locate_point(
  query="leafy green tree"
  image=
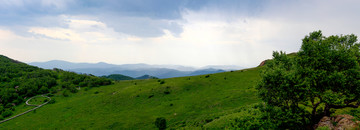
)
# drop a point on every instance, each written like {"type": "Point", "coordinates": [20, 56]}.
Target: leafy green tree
{"type": "Point", "coordinates": [326, 72]}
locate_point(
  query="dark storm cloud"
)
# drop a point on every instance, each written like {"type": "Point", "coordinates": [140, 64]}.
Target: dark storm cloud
{"type": "Point", "coordinates": [143, 18]}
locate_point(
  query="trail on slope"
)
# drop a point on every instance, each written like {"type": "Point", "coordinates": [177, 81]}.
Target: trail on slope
{"type": "Point", "coordinates": [27, 103]}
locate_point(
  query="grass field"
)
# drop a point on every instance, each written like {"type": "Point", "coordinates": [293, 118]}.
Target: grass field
{"type": "Point", "coordinates": [38, 100]}
{"type": "Point", "coordinates": [185, 102]}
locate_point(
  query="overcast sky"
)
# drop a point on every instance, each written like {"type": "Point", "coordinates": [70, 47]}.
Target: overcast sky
{"type": "Point", "coordinates": [181, 32]}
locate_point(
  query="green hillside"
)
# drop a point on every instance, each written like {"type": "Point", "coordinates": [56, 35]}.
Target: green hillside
{"type": "Point", "coordinates": [19, 82]}
{"type": "Point", "coordinates": [185, 102]}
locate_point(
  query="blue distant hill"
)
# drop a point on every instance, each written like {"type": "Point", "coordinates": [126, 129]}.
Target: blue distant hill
{"type": "Point", "coordinates": [133, 70]}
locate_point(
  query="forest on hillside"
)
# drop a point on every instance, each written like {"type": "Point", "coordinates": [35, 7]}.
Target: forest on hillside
{"type": "Point", "coordinates": [19, 81]}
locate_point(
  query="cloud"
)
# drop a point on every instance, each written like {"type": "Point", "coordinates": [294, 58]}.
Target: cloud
{"type": "Point", "coordinates": [143, 18]}
{"type": "Point", "coordinates": [135, 17]}
{"type": "Point", "coordinates": [79, 30]}
{"type": "Point", "coordinates": [187, 32]}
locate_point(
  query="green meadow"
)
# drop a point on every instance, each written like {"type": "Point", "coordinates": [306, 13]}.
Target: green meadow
{"type": "Point", "coordinates": [192, 102]}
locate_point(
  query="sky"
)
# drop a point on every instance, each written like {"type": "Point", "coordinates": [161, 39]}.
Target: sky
{"type": "Point", "coordinates": [178, 32]}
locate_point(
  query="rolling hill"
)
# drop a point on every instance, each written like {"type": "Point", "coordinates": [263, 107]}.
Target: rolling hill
{"type": "Point", "coordinates": [118, 77]}
{"type": "Point", "coordinates": [19, 82]}
{"type": "Point", "coordinates": [133, 70]}
{"type": "Point", "coordinates": [192, 102]}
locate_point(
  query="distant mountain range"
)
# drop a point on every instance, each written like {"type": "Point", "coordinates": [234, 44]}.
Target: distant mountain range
{"type": "Point", "coordinates": [133, 70]}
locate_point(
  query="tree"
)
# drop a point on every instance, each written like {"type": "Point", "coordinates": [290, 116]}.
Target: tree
{"type": "Point", "coordinates": [325, 72]}
{"type": "Point", "coordinates": [160, 123]}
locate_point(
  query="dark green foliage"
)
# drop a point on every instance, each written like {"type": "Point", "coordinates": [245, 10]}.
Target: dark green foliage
{"type": "Point", "coordinates": [207, 76]}
{"type": "Point", "coordinates": [146, 77]}
{"type": "Point", "coordinates": [118, 77]}
{"type": "Point", "coordinates": [65, 93]}
{"type": "Point", "coordinates": [72, 88]}
{"type": "Point", "coordinates": [162, 82]}
{"type": "Point", "coordinates": [52, 101]}
{"type": "Point", "coordinates": [151, 96]}
{"type": "Point", "coordinates": [166, 92]}
{"type": "Point", "coordinates": [6, 113]}
{"type": "Point", "coordinates": [19, 80]}
{"type": "Point", "coordinates": [325, 72]}
{"type": "Point", "coordinates": [160, 123]}
{"type": "Point", "coordinates": [260, 116]}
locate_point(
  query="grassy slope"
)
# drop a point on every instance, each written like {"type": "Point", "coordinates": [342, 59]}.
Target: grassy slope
{"type": "Point", "coordinates": [192, 102]}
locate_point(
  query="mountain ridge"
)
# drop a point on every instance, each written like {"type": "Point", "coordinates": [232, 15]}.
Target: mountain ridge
{"type": "Point", "coordinates": [134, 70]}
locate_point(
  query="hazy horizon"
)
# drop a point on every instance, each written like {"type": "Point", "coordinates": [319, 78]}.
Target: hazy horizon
{"type": "Point", "coordinates": [161, 32]}
{"type": "Point", "coordinates": [195, 67]}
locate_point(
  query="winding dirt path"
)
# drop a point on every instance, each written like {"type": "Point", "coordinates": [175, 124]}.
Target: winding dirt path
{"type": "Point", "coordinates": [27, 103]}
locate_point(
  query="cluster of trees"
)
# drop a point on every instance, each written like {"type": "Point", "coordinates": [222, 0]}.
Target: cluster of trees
{"type": "Point", "coordinates": [19, 81]}
{"type": "Point", "coordinates": [323, 76]}
{"type": "Point", "coordinates": [118, 77]}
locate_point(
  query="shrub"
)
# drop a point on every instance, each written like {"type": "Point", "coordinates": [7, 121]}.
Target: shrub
{"type": "Point", "coordinates": [52, 101]}
{"type": "Point", "coordinates": [65, 93]}
{"type": "Point", "coordinates": [167, 92]}
{"type": "Point", "coordinates": [162, 82]}
{"type": "Point", "coordinates": [72, 89]}
{"type": "Point", "coordinates": [6, 113]}
{"type": "Point", "coordinates": [160, 123]}
{"type": "Point", "coordinates": [151, 96]}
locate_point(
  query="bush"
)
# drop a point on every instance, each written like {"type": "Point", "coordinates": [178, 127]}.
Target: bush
{"type": "Point", "coordinates": [160, 123]}
{"type": "Point", "coordinates": [43, 89]}
{"type": "Point", "coordinates": [258, 116]}
{"type": "Point", "coordinates": [65, 93]}
{"type": "Point", "coordinates": [52, 101]}
{"type": "Point", "coordinates": [53, 91]}
{"type": "Point", "coordinates": [162, 82]}
{"type": "Point", "coordinates": [50, 95]}
{"type": "Point", "coordinates": [6, 113]}
{"type": "Point", "coordinates": [72, 89]}
{"type": "Point", "coordinates": [167, 92]}
{"type": "Point", "coordinates": [83, 84]}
